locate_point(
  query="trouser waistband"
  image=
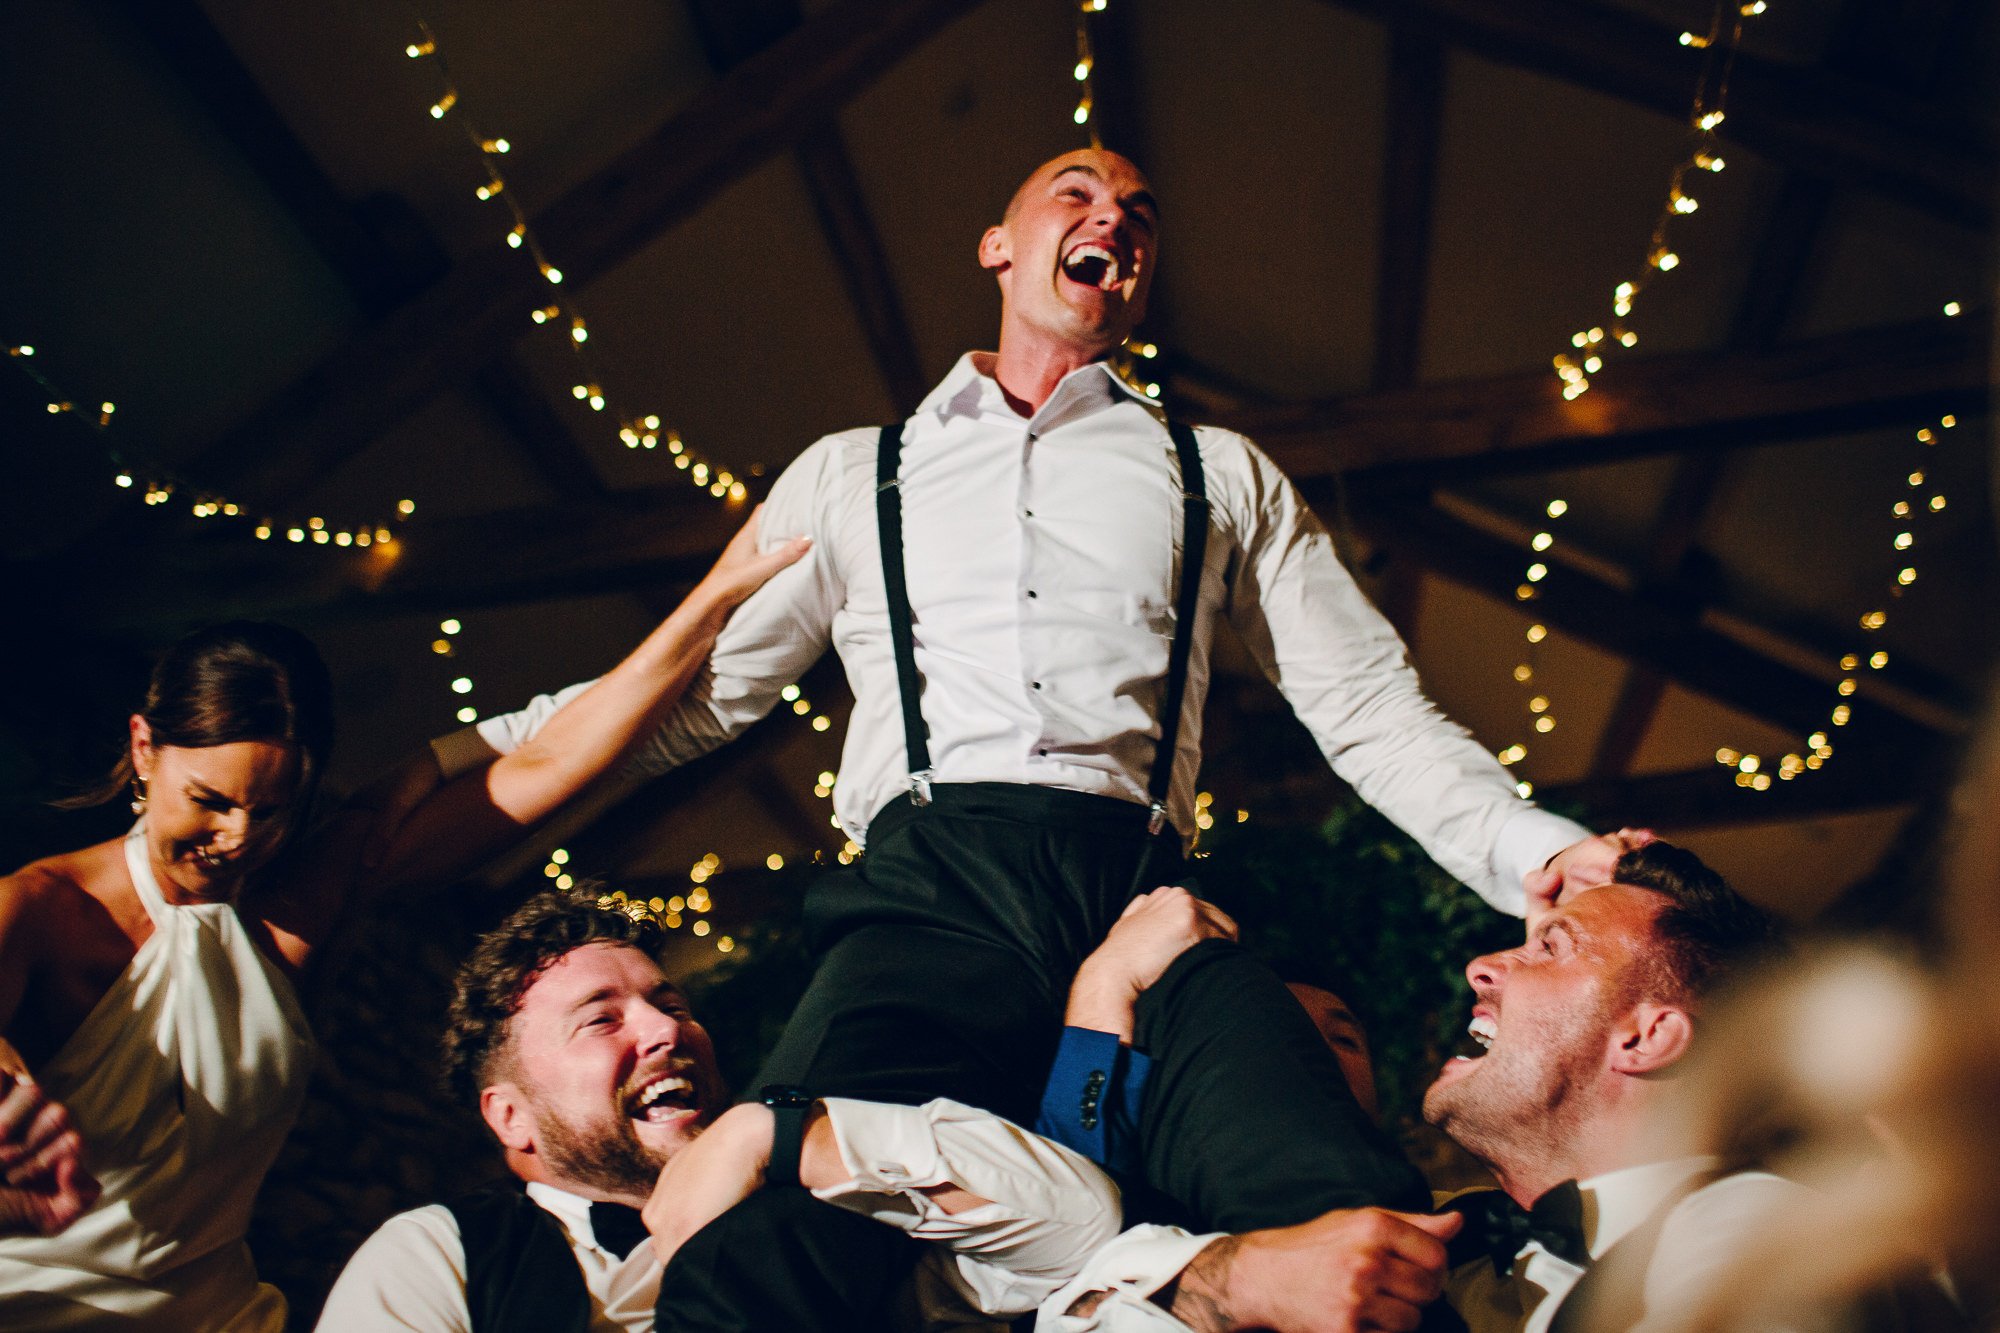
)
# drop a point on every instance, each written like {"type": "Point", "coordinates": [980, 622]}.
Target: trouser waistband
{"type": "Point", "coordinates": [1017, 803]}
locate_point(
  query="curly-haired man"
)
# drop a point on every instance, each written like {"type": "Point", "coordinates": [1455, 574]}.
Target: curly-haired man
{"type": "Point", "coordinates": [586, 1064]}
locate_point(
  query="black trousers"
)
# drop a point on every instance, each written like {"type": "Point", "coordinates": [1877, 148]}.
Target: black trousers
{"type": "Point", "coordinates": [946, 957]}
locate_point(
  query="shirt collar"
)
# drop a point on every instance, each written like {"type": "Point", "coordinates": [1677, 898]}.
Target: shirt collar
{"type": "Point", "coordinates": [1618, 1201]}
{"type": "Point", "coordinates": [572, 1210]}
{"type": "Point", "coordinates": [970, 390]}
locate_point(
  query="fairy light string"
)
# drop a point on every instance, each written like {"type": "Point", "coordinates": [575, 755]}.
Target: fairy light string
{"type": "Point", "coordinates": [1589, 347]}
{"type": "Point", "coordinates": [1915, 508]}
{"type": "Point", "coordinates": [158, 486]}
{"type": "Point", "coordinates": [561, 310]}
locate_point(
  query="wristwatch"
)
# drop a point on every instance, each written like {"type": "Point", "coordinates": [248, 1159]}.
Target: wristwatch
{"type": "Point", "coordinates": [789, 1105]}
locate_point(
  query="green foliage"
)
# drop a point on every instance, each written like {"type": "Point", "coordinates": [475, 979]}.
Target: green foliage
{"type": "Point", "coordinates": [1354, 905]}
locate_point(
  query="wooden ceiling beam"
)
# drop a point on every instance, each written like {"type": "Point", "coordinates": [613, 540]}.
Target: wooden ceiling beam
{"type": "Point", "coordinates": [642, 539]}
{"type": "Point", "coordinates": [1784, 248]}
{"type": "Point", "coordinates": [1412, 127]}
{"type": "Point", "coordinates": [379, 249]}
{"type": "Point", "coordinates": [1670, 638]}
{"type": "Point", "coordinates": [1708, 797]}
{"type": "Point", "coordinates": [1855, 132]}
{"type": "Point", "coordinates": [1388, 442]}
{"type": "Point", "coordinates": [394, 366]}
{"type": "Point", "coordinates": [733, 31]}
{"type": "Point", "coordinates": [1443, 434]}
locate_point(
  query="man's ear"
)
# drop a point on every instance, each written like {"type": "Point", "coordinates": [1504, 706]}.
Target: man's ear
{"type": "Point", "coordinates": [993, 249]}
{"type": "Point", "coordinates": [505, 1112]}
{"type": "Point", "coordinates": [1652, 1038]}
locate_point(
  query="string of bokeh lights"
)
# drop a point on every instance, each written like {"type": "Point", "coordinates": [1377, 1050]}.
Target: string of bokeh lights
{"type": "Point", "coordinates": [158, 486]}
{"type": "Point", "coordinates": [636, 431]}
{"type": "Point", "coordinates": [1719, 45]}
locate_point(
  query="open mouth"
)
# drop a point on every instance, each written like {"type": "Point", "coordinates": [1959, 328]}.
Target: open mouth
{"type": "Point", "coordinates": [210, 862]}
{"type": "Point", "coordinates": [1093, 265]}
{"type": "Point", "coordinates": [662, 1098]}
{"type": "Point", "coordinates": [1479, 1035]}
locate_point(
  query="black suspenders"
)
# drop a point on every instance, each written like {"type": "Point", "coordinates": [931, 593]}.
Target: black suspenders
{"type": "Point", "coordinates": [1194, 547]}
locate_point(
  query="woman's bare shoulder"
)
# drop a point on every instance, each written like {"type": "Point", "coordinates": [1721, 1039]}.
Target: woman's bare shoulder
{"type": "Point", "coordinates": [53, 886]}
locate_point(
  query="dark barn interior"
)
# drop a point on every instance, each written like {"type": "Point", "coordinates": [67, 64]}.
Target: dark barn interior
{"type": "Point", "coordinates": [1384, 220]}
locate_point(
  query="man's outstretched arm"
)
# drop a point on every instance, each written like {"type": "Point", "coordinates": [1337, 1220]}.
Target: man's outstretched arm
{"type": "Point", "coordinates": [1348, 677]}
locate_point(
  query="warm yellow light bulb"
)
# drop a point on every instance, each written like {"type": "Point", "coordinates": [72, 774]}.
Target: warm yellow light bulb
{"type": "Point", "coordinates": [1557, 508]}
{"type": "Point", "coordinates": [406, 507]}
{"type": "Point", "coordinates": [1082, 115]}
{"type": "Point", "coordinates": [1536, 633]}
{"type": "Point", "coordinates": [443, 104]}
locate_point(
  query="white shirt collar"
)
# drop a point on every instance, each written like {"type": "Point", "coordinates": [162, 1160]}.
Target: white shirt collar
{"type": "Point", "coordinates": [572, 1210]}
{"type": "Point", "coordinates": [1618, 1201]}
{"type": "Point", "coordinates": [970, 390]}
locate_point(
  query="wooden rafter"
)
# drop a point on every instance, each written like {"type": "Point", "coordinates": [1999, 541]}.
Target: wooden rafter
{"type": "Point", "coordinates": [1709, 798]}
{"type": "Point", "coordinates": [1812, 120]}
{"type": "Point", "coordinates": [1441, 434]}
{"type": "Point", "coordinates": [1670, 638]}
{"type": "Point", "coordinates": [735, 30]}
{"type": "Point", "coordinates": [1783, 251]}
{"type": "Point", "coordinates": [394, 366]}
{"type": "Point", "coordinates": [1412, 128]}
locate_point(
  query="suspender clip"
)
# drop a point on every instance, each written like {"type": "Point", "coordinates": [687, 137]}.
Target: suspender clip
{"type": "Point", "coordinates": [893, 483]}
{"type": "Point", "coordinates": [1158, 819]}
{"type": "Point", "coordinates": [920, 786]}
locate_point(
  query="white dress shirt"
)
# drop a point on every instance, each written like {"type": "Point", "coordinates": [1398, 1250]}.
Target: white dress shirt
{"type": "Point", "coordinates": [1042, 559]}
{"type": "Point", "coordinates": [1701, 1235]}
{"type": "Point", "coordinates": [1047, 1206]}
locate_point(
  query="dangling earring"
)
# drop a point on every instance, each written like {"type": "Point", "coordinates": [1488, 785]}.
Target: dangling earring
{"type": "Point", "coordinates": [138, 795]}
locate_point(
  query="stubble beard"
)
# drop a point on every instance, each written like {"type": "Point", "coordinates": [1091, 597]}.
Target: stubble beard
{"type": "Point", "coordinates": [611, 1161]}
{"type": "Point", "coordinates": [1519, 1114]}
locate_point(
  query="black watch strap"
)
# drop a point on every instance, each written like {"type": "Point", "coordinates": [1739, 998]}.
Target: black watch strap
{"type": "Point", "coordinates": [789, 1106]}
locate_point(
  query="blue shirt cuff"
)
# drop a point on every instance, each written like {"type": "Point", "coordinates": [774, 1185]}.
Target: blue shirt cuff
{"type": "Point", "coordinates": [1091, 1101]}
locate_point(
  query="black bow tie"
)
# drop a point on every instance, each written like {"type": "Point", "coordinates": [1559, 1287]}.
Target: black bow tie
{"type": "Point", "coordinates": [617, 1227]}
{"type": "Point", "coordinates": [1499, 1229]}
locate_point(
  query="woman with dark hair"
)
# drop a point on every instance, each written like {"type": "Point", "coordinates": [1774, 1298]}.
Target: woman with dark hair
{"type": "Point", "coordinates": [147, 981]}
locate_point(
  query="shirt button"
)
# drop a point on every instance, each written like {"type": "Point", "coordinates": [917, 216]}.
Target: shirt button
{"type": "Point", "coordinates": [1027, 513]}
{"type": "Point", "coordinates": [1043, 753]}
{"type": "Point", "coordinates": [1038, 684]}
{"type": "Point", "coordinates": [1031, 592]}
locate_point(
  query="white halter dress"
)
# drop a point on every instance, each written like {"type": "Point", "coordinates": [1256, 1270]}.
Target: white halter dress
{"type": "Point", "coordinates": [184, 1081]}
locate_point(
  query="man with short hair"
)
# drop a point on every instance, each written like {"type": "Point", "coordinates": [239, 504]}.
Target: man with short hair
{"type": "Point", "coordinates": [1581, 1028]}
{"type": "Point", "coordinates": [1023, 582]}
{"type": "Point", "coordinates": [589, 1069]}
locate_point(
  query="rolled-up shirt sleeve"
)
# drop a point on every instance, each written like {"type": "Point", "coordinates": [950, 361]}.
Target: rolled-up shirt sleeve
{"type": "Point", "coordinates": [1348, 677]}
{"type": "Point", "coordinates": [1124, 1276]}
{"type": "Point", "coordinates": [1047, 1208]}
